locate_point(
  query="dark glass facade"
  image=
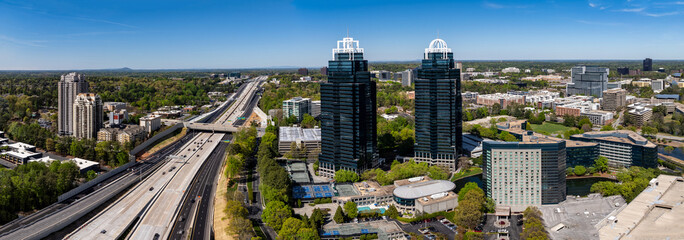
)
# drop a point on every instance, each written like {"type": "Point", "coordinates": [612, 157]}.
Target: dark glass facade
{"type": "Point", "coordinates": [438, 111]}
{"type": "Point", "coordinates": [348, 116]}
{"type": "Point", "coordinates": [582, 155]}
{"type": "Point", "coordinates": [648, 64]}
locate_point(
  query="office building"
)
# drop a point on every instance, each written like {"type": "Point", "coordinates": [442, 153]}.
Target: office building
{"type": "Point", "coordinates": [150, 123]}
{"type": "Point", "coordinates": [117, 117]}
{"type": "Point", "coordinates": [438, 108]}
{"type": "Point", "coordinates": [304, 138]}
{"type": "Point", "coordinates": [639, 115]}
{"type": "Point", "coordinates": [113, 106]}
{"type": "Point", "coordinates": [658, 85]}
{"type": "Point", "coordinates": [303, 71]}
{"type": "Point", "coordinates": [511, 70]}
{"type": "Point", "coordinates": [88, 115]}
{"type": "Point", "coordinates": [576, 109]}
{"type": "Point", "coordinates": [623, 71]}
{"type": "Point", "coordinates": [107, 134]}
{"type": "Point", "coordinates": [614, 99]}
{"type": "Point", "coordinates": [420, 195]}
{"type": "Point", "coordinates": [324, 71]}
{"type": "Point", "coordinates": [69, 86]}
{"type": "Point", "coordinates": [503, 99]}
{"type": "Point", "coordinates": [526, 173]}
{"type": "Point", "coordinates": [623, 148]}
{"type": "Point", "coordinates": [407, 77]}
{"type": "Point", "coordinates": [348, 113]}
{"type": "Point", "coordinates": [598, 117]}
{"type": "Point", "coordinates": [297, 107]}
{"type": "Point", "coordinates": [381, 75]}
{"type": "Point", "coordinates": [234, 75]}
{"type": "Point", "coordinates": [315, 108]}
{"type": "Point", "coordinates": [588, 81]}
{"type": "Point", "coordinates": [131, 133]}
{"type": "Point", "coordinates": [648, 65]}
{"type": "Point", "coordinates": [656, 213]}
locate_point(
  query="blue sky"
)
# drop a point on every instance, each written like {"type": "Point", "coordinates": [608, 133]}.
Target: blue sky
{"type": "Point", "coordinates": [93, 34]}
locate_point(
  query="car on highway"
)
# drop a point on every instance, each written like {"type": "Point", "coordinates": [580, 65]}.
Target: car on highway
{"type": "Point", "coordinates": [156, 236]}
{"type": "Point", "coordinates": [103, 231]}
{"type": "Point", "coordinates": [151, 188]}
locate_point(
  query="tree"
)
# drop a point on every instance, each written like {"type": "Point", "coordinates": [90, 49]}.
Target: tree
{"type": "Point", "coordinates": [317, 218]}
{"type": "Point", "coordinates": [650, 131]}
{"type": "Point", "coordinates": [90, 175]}
{"type": "Point", "coordinates": [339, 215]}
{"type": "Point", "coordinates": [607, 128]}
{"type": "Point", "coordinates": [601, 164]}
{"type": "Point", "coordinates": [351, 209]}
{"type": "Point", "coordinates": [533, 228]}
{"type": "Point", "coordinates": [469, 211]}
{"type": "Point", "coordinates": [580, 170]}
{"type": "Point", "coordinates": [290, 228]}
{"type": "Point", "coordinates": [473, 236]}
{"type": "Point", "coordinates": [468, 186]}
{"type": "Point", "coordinates": [346, 176]}
{"type": "Point", "coordinates": [122, 158]}
{"type": "Point", "coordinates": [308, 121]}
{"type": "Point", "coordinates": [275, 214]}
{"type": "Point", "coordinates": [392, 212]}
{"type": "Point", "coordinates": [507, 137]}
{"type": "Point", "coordinates": [308, 234]}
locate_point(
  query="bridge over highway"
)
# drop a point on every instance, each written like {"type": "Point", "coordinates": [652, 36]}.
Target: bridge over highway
{"type": "Point", "coordinates": [211, 127]}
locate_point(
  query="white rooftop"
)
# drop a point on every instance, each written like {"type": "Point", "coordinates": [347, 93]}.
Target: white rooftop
{"type": "Point", "coordinates": [291, 134]}
{"type": "Point", "coordinates": [83, 164]}
{"type": "Point", "coordinates": [423, 189]}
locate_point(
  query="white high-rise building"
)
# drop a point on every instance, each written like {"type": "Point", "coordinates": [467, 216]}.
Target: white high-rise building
{"type": "Point", "coordinates": [407, 77]}
{"type": "Point", "coordinates": [88, 115]}
{"type": "Point", "coordinates": [69, 86]}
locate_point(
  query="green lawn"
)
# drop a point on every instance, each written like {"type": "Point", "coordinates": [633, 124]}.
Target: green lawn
{"type": "Point", "coordinates": [551, 128]}
{"type": "Point", "coordinates": [469, 172]}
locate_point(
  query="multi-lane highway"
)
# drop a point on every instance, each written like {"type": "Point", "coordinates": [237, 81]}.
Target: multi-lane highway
{"type": "Point", "coordinates": [146, 201]}
{"type": "Point", "coordinates": [195, 220]}
{"type": "Point", "coordinates": [153, 204]}
{"type": "Point", "coordinates": [63, 217]}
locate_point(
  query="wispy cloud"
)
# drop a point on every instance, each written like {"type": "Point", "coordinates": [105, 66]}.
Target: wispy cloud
{"type": "Point", "coordinates": [30, 43]}
{"type": "Point", "coordinates": [631, 10]}
{"type": "Point", "coordinates": [591, 4]}
{"type": "Point", "coordinates": [661, 14]}
{"type": "Point", "coordinates": [34, 10]}
{"type": "Point", "coordinates": [97, 33]}
{"type": "Point", "coordinates": [493, 5]}
{"type": "Point", "coordinates": [599, 23]}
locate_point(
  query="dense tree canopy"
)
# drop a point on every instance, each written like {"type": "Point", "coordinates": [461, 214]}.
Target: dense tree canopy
{"type": "Point", "coordinates": [405, 170]}
{"type": "Point", "coordinates": [34, 186]}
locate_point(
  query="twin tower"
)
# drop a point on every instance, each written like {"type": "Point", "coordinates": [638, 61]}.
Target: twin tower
{"type": "Point", "coordinates": [349, 112]}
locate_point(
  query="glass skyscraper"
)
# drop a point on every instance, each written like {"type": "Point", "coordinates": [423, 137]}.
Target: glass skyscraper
{"type": "Point", "coordinates": [438, 108]}
{"type": "Point", "coordinates": [348, 113]}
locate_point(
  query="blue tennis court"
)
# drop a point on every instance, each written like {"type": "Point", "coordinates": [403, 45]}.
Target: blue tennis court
{"type": "Point", "coordinates": [312, 191]}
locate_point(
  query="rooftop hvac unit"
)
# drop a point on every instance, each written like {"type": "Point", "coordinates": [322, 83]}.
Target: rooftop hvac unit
{"type": "Point", "coordinates": [415, 179]}
{"type": "Point", "coordinates": [438, 195]}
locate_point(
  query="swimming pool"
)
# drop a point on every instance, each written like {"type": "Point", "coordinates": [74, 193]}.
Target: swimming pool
{"type": "Point", "coordinates": [366, 208]}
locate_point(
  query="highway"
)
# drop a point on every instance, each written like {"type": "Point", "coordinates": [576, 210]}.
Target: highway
{"type": "Point", "coordinates": [155, 185]}
{"type": "Point", "coordinates": [199, 199]}
{"type": "Point", "coordinates": [195, 220]}
{"type": "Point", "coordinates": [64, 216]}
{"type": "Point", "coordinates": [150, 209]}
